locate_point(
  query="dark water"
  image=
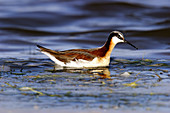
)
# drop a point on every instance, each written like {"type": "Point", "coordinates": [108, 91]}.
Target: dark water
{"type": "Point", "coordinates": [66, 24]}
{"type": "Point", "coordinates": [63, 24]}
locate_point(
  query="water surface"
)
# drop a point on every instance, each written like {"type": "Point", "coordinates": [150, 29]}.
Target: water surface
{"type": "Point", "coordinates": [137, 80]}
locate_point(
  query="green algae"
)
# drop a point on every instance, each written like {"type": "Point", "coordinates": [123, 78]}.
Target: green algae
{"type": "Point", "coordinates": [126, 82]}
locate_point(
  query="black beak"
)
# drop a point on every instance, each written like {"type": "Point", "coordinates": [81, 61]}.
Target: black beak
{"type": "Point", "coordinates": [130, 44]}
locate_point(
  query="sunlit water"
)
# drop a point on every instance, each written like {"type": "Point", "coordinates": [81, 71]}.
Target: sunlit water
{"type": "Point", "coordinates": [132, 82]}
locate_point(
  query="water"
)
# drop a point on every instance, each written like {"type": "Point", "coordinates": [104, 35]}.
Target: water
{"type": "Point", "coordinates": [67, 24]}
{"type": "Point", "coordinates": [83, 24]}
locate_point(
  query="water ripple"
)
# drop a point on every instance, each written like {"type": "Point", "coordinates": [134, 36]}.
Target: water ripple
{"type": "Point", "coordinates": [83, 23]}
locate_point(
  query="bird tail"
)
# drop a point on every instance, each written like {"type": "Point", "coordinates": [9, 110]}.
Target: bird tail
{"type": "Point", "coordinates": [43, 49]}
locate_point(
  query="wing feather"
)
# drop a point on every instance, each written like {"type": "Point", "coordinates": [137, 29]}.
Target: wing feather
{"type": "Point", "coordinates": [68, 55]}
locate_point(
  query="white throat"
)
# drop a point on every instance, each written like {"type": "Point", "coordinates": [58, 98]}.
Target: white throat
{"type": "Point", "coordinates": [116, 40]}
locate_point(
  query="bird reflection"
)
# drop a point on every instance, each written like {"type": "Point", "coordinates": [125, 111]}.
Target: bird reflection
{"type": "Point", "coordinates": [103, 72]}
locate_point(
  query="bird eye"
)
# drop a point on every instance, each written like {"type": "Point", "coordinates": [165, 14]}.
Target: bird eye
{"type": "Point", "coordinates": [119, 37]}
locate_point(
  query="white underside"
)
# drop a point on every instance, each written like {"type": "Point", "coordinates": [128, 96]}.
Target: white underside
{"type": "Point", "coordinates": [79, 63]}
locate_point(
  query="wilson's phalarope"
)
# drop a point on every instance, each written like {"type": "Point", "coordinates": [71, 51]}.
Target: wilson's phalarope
{"type": "Point", "coordinates": [95, 57]}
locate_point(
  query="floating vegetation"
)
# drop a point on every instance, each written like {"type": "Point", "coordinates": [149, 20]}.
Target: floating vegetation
{"type": "Point", "coordinates": [160, 64]}
{"type": "Point", "coordinates": [125, 83]}
{"type": "Point", "coordinates": [132, 84]}
{"type": "Point", "coordinates": [30, 89]}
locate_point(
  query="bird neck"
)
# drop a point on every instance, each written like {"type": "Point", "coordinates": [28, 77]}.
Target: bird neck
{"type": "Point", "coordinates": [108, 47]}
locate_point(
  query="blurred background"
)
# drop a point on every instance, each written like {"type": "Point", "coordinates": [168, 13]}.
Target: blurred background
{"type": "Point", "coordinates": [66, 24]}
